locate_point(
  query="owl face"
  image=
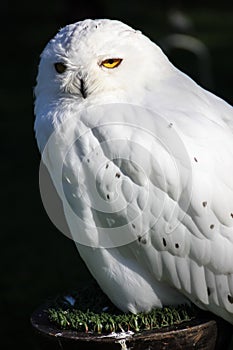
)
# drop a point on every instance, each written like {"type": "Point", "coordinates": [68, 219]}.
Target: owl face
{"type": "Point", "coordinates": [96, 58]}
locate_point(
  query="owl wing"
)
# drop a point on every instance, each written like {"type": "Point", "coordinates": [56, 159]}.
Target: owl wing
{"type": "Point", "coordinates": [157, 190]}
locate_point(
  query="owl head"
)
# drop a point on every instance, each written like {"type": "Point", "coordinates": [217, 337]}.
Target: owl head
{"type": "Point", "coordinates": [99, 59]}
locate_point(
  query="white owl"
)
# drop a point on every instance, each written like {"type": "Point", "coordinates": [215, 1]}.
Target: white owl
{"type": "Point", "coordinates": [142, 159]}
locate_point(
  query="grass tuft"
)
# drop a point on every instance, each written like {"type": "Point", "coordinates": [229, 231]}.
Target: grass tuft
{"type": "Point", "coordinates": [89, 310]}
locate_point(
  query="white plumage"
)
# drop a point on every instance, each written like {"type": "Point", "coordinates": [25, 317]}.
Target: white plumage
{"type": "Point", "coordinates": [142, 159]}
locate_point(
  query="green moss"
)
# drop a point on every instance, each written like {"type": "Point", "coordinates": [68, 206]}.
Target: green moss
{"type": "Point", "coordinates": [89, 310]}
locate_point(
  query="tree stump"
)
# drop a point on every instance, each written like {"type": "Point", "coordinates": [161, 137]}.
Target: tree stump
{"type": "Point", "coordinates": [201, 334]}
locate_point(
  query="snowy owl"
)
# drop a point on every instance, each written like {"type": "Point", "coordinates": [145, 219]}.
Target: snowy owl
{"type": "Point", "coordinates": [142, 160]}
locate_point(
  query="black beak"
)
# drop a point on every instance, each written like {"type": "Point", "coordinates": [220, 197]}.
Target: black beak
{"type": "Point", "coordinates": [83, 88]}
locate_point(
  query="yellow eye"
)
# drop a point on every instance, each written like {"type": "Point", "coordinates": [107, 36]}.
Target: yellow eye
{"type": "Point", "coordinates": [60, 67]}
{"type": "Point", "coordinates": [111, 62]}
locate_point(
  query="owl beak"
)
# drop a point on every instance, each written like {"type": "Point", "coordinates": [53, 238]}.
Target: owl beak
{"type": "Point", "coordinates": [83, 89]}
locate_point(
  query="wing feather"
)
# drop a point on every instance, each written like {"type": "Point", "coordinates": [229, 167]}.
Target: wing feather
{"type": "Point", "coordinates": [165, 187]}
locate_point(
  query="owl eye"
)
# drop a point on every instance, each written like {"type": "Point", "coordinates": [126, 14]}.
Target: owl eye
{"type": "Point", "coordinates": [60, 67]}
{"type": "Point", "coordinates": [111, 62]}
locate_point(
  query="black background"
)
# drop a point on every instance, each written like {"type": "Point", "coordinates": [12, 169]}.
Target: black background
{"type": "Point", "coordinates": [36, 260]}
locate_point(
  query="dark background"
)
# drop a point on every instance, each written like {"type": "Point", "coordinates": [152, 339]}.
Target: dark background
{"type": "Point", "coordinates": [36, 260]}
